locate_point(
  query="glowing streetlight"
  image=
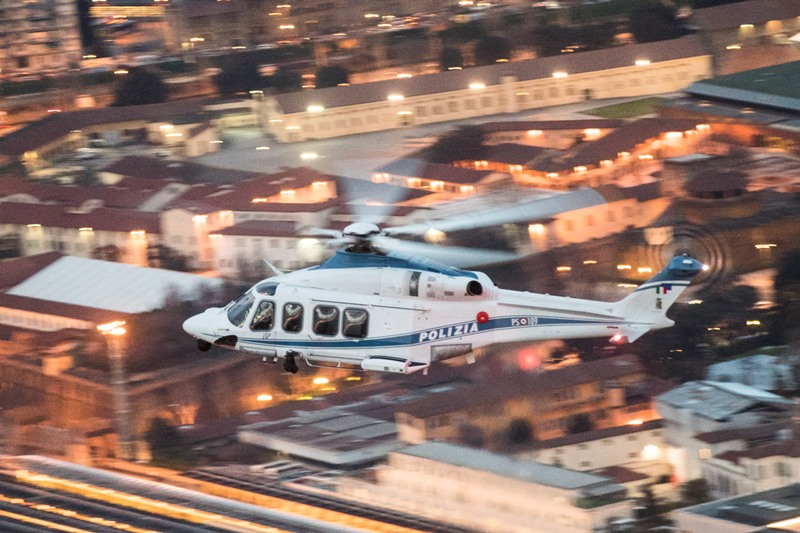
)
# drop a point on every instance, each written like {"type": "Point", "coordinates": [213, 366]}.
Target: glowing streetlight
{"type": "Point", "coordinates": [114, 333]}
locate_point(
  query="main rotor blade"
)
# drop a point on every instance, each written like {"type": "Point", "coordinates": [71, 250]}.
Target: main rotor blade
{"type": "Point", "coordinates": [456, 256]}
{"type": "Point", "coordinates": [528, 209]}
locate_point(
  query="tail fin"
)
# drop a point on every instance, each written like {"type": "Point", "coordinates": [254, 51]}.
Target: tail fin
{"type": "Point", "coordinates": [646, 307]}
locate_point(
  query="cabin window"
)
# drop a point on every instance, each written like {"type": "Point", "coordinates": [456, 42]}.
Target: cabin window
{"type": "Point", "coordinates": [238, 310]}
{"type": "Point", "coordinates": [264, 318]}
{"type": "Point", "coordinates": [268, 288]}
{"type": "Point", "coordinates": [326, 320]}
{"type": "Point", "coordinates": [292, 317]}
{"type": "Point", "coordinates": [355, 323]}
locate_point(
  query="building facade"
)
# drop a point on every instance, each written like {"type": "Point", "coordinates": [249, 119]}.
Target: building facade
{"type": "Point", "coordinates": [490, 492]}
{"type": "Point", "coordinates": [38, 38]}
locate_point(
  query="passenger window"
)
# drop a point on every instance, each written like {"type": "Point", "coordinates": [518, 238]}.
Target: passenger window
{"type": "Point", "coordinates": [326, 320]}
{"type": "Point", "coordinates": [264, 318]}
{"type": "Point", "coordinates": [292, 317]}
{"type": "Point", "coordinates": [355, 323]}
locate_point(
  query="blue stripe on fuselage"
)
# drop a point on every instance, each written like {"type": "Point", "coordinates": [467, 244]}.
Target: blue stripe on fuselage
{"type": "Point", "coordinates": [462, 329]}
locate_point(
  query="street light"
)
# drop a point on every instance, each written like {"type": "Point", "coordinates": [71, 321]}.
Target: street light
{"type": "Point", "coordinates": [114, 333]}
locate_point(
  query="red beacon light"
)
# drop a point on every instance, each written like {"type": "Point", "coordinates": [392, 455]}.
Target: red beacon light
{"type": "Point", "coordinates": [482, 317]}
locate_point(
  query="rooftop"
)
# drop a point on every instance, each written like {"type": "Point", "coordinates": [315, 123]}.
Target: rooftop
{"type": "Point", "coordinates": [542, 68]}
{"type": "Point", "coordinates": [107, 286]}
{"type": "Point", "coordinates": [503, 465]}
{"type": "Point", "coordinates": [769, 87]}
{"type": "Point", "coordinates": [756, 509]}
{"type": "Point", "coordinates": [718, 401]}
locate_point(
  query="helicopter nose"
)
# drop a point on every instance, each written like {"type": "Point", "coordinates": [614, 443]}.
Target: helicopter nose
{"type": "Point", "coordinates": [194, 325]}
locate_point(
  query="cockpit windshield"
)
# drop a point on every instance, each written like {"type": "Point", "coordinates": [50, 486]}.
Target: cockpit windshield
{"type": "Point", "coordinates": [239, 310]}
{"type": "Point", "coordinates": [267, 288]}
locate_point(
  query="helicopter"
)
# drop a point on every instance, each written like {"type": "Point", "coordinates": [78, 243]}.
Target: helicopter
{"type": "Point", "coordinates": [368, 309]}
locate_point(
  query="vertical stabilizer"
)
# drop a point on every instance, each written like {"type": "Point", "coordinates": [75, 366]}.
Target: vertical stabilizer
{"type": "Point", "coordinates": [646, 307]}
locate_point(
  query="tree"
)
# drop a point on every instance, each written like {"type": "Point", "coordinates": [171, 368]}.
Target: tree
{"type": "Point", "coordinates": [451, 58]}
{"type": "Point", "coordinates": [161, 434]}
{"type": "Point", "coordinates": [464, 143]}
{"type": "Point", "coordinates": [285, 80]}
{"type": "Point", "coordinates": [654, 21]}
{"type": "Point", "coordinates": [491, 48]}
{"type": "Point", "coordinates": [238, 75]}
{"type": "Point", "coordinates": [140, 86]}
{"type": "Point", "coordinates": [331, 77]}
{"type": "Point", "coordinates": [518, 432]}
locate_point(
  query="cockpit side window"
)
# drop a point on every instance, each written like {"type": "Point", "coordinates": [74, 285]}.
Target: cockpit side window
{"type": "Point", "coordinates": [240, 309]}
{"type": "Point", "coordinates": [326, 320]}
{"type": "Point", "coordinates": [355, 322]}
{"type": "Point", "coordinates": [292, 317]}
{"type": "Point", "coordinates": [264, 318]}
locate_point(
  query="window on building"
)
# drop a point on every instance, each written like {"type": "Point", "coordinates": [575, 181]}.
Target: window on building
{"type": "Point", "coordinates": [326, 320]}
{"type": "Point", "coordinates": [355, 322]}
{"type": "Point", "coordinates": [264, 318]}
{"type": "Point", "coordinates": [292, 317]}
{"type": "Point", "coordinates": [470, 104]}
{"type": "Point", "coordinates": [452, 106]}
{"type": "Point", "coordinates": [486, 101]}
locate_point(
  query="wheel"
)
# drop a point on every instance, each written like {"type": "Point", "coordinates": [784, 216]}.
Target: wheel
{"type": "Point", "coordinates": [290, 365]}
{"type": "Point", "coordinates": [203, 346]}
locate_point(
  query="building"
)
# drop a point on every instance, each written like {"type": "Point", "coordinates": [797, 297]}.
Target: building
{"type": "Point", "coordinates": [52, 292]}
{"type": "Point", "coordinates": [757, 468]}
{"type": "Point", "coordinates": [633, 70]}
{"type": "Point", "coordinates": [775, 510]}
{"type": "Point", "coordinates": [182, 125]}
{"type": "Point", "coordinates": [589, 395]}
{"type": "Point", "coordinates": [731, 29]}
{"type": "Point", "coordinates": [38, 38]}
{"type": "Point", "coordinates": [490, 492]}
{"type": "Point", "coordinates": [765, 372]}
{"type": "Point", "coordinates": [699, 407]}
{"type": "Point", "coordinates": [635, 447]}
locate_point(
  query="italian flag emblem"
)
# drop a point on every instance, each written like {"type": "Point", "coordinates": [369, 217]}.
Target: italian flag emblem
{"type": "Point", "coordinates": [664, 288]}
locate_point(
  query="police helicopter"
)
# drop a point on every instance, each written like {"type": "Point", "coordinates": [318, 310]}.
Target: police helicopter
{"type": "Point", "coordinates": [365, 308]}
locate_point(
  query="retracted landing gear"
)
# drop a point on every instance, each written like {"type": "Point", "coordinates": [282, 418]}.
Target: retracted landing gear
{"type": "Point", "coordinates": [203, 346]}
{"type": "Point", "coordinates": [290, 362]}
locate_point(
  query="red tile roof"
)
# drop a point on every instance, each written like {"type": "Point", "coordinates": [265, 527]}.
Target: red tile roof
{"type": "Point", "coordinates": [15, 271]}
{"type": "Point", "coordinates": [58, 216]}
{"type": "Point", "coordinates": [261, 228]}
{"type": "Point", "coordinates": [182, 171]}
{"type": "Point", "coordinates": [419, 168]}
{"type": "Point", "coordinates": [623, 139]}
{"type": "Point", "coordinates": [79, 312]}
{"type": "Point", "coordinates": [620, 474]}
{"type": "Point", "coordinates": [119, 196]}
{"type": "Point", "coordinates": [57, 125]}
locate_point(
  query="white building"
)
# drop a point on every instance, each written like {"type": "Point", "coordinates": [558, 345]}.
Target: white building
{"type": "Point", "coordinates": [699, 407]}
{"type": "Point", "coordinates": [634, 70]}
{"type": "Point", "coordinates": [490, 492]}
{"type": "Point", "coordinates": [636, 447]}
{"type": "Point", "coordinates": [762, 467]}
